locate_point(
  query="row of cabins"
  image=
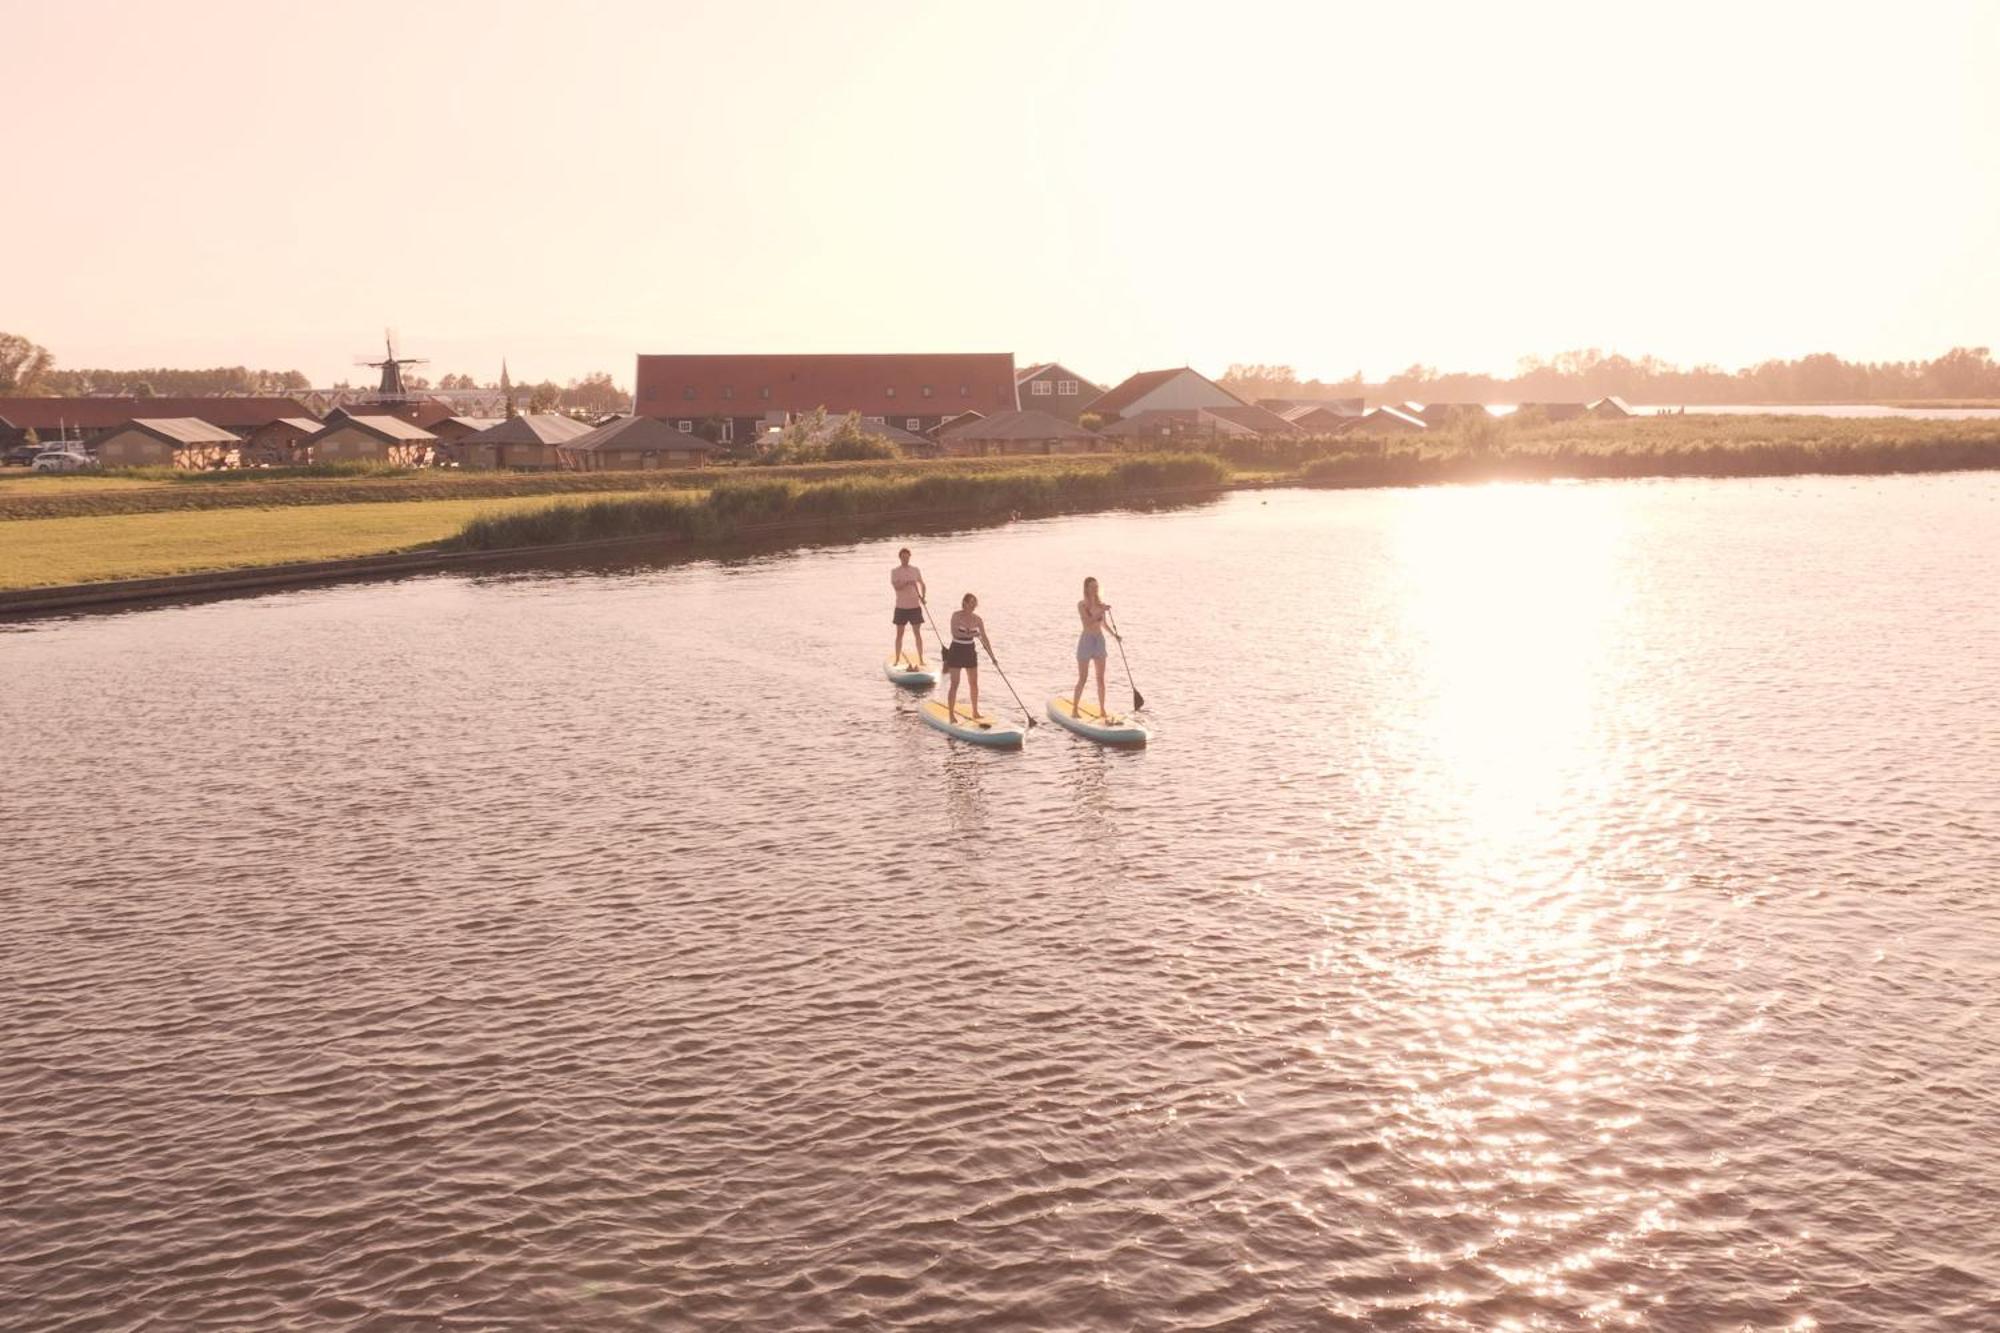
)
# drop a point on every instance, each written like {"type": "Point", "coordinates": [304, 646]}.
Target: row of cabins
{"type": "Point", "coordinates": [958, 405]}
{"type": "Point", "coordinates": [184, 433]}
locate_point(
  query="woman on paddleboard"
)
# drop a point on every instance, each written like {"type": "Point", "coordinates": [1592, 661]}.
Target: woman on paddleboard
{"type": "Point", "coordinates": [968, 631]}
{"type": "Point", "coordinates": [908, 581]}
{"type": "Point", "coordinates": [1090, 647]}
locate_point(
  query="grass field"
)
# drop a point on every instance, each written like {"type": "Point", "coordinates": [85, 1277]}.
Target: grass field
{"type": "Point", "coordinates": [48, 551]}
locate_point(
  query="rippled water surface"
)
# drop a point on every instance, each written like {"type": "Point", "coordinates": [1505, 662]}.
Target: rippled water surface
{"type": "Point", "coordinates": [1551, 907]}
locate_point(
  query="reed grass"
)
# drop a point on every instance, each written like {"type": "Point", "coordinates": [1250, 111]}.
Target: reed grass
{"type": "Point", "coordinates": [736, 506]}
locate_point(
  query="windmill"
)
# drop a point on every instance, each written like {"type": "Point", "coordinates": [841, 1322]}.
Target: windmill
{"type": "Point", "coordinates": [391, 366]}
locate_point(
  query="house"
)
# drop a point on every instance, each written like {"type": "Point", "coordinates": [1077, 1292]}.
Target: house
{"type": "Point", "coordinates": [1285, 407]}
{"type": "Point", "coordinates": [85, 419]}
{"type": "Point", "coordinates": [1161, 390]}
{"type": "Point", "coordinates": [1189, 424]}
{"type": "Point", "coordinates": [423, 413]}
{"type": "Point", "coordinates": [1613, 408]}
{"type": "Point", "coordinates": [1443, 414]}
{"type": "Point", "coordinates": [280, 443]}
{"type": "Point", "coordinates": [1018, 431]}
{"type": "Point", "coordinates": [345, 439]}
{"type": "Point", "coordinates": [453, 429]}
{"type": "Point", "coordinates": [1257, 420]}
{"type": "Point", "coordinates": [187, 442]}
{"type": "Point", "coordinates": [529, 440]}
{"type": "Point", "coordinates": [1554, 411]}
{"type": "Point", "coordinates": [731, 398]}
{"type": "Point", "coordinates": [950, 423]}
{"type": "Point", "coordinates": [1052, 387]}
{"type": "Point", "coordinates": [1391, 421]}
{"type": "Point", "coordinates": [908, 442]}
{"type": "Point", "coordinates": [1322, 418]}
{"type": "Point", "coordinates": [625, 444]}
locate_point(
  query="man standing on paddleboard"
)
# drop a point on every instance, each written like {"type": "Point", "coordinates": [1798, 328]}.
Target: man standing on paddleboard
{"type": "Point", "coordinates": [908, 581]}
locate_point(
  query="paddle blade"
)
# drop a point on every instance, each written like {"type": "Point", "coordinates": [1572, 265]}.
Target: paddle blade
{"type": "Point", "coordinates": [1138, 699]}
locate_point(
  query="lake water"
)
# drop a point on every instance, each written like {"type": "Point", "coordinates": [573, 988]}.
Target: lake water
{"type": "Point", "coordinates": [1847, 410]}
{"type": "Point", "coordinates": [1543, 907]}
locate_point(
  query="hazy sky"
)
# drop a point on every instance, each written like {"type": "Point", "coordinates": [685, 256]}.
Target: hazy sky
{"type": "Point", "coordinates": [1118, 185]}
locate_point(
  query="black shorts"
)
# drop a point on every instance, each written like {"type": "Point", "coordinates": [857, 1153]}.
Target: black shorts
{"type": "Point", "coordinates": [961, 655]}
{"type": "Point", "coordinates": [909, 615]}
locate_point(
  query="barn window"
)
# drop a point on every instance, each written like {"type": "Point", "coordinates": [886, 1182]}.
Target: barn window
{"type": "Point", "coordinates": [1041, 389]}
{"type": "Point", "coordinates": [764, 392]}
{"type": "Point", "coordinates": [1067, 388]}
{"type": "Point", "coordinates": [686, 427]}
{"type": "Point", "coordinates": [912, 423]}
{"type": "Point", "coordinates": [728, 391]}
{"type": "Point", "coordinates": [889, 392]}
{"type": "Point", "coordinates": [927, 391]}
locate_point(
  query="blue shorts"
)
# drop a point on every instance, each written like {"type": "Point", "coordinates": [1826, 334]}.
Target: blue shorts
{"type": "Point", "coordinates": [1090, 647]}
{"type": "Point", "coordinates": [909, 615]}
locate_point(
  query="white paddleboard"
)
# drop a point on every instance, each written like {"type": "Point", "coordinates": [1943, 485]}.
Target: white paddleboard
{"type": "Point", "coordinates": [905, 672]}
{"type": "Point", "coordinates": [1088, 722]}
{"type": "Point", "coordinates": [982, 730]}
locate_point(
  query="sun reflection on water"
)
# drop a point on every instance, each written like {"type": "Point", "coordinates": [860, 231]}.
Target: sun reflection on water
{"type": "Point", "coordinates": [1511, 926]}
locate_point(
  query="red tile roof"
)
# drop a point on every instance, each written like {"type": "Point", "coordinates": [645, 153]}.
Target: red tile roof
{"type": "Point", "coordinates": [888, 385]}
{"type": "Point", "coordinates": [423, 412]}
{"type": "Point", "coordinates": [45, 414]}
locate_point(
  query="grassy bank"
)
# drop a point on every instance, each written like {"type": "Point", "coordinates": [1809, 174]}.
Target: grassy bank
{"type": "Point", "coordinates": [47, 552]}
{"type": "Point", "coordinates": [158, 490]}
{"type": "Point", "coordinates": [737, 505]}
{"type": "Point", "coordinates": [1692, 446]}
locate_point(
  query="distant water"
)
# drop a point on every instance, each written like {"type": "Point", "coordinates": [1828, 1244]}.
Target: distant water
{"type": "Point", "coordinates": [1828, 410]}
{"type": "Point", "coordinates": [1542, 907]}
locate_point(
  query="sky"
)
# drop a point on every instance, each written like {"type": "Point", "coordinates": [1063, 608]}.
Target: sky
{"type": "Point", "coordinates": [1120, 186]}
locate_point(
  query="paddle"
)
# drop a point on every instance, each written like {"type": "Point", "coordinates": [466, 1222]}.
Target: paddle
{"type": "Point", "coordinates": [1010, 689]}
{"type": "Point", "coordinates": [1138, 699]}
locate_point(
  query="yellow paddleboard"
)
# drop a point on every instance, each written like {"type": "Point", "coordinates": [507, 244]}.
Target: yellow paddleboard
{"type": "Point", "coordinates": [904, 671]}
{"type": "Point", "coordinates": [982, 730]}
{"type": "Point", "coordinates": [1086, 720]}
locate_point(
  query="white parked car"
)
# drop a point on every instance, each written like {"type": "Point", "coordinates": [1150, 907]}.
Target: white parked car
{"type": "Point", "coordinates": [64, 460]}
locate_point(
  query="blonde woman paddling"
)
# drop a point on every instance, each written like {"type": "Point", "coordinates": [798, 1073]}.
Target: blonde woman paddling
{"type": "Point", "coordinates": [968, 631]}
{"type": "Point", "coordinates": [1090, 650]}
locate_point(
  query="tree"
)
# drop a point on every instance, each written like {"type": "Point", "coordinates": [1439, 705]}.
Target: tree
{"type": "Point", "coordinates": [23, 364]}
{"type": "Point", "coordinates": [594, 395]}
{"type": "Point", "coordinates": [545, 397]}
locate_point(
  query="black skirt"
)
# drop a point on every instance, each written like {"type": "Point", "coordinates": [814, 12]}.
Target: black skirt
{"type": "Point", "coordinates": [961, 655]}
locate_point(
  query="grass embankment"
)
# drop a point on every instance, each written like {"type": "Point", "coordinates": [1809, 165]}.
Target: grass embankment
{"type": "Point", "coordinates": [1690, 446]}
{"type": "Point", "coordinates": [156, 490]}
{"type": "Point", "coordinates": [737, 506]}
{"type": "Point", "coordinates": [48, 552]}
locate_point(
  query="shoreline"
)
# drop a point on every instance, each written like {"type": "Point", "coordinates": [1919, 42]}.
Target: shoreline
{"type": "Point", "coordinates": [115, 594]}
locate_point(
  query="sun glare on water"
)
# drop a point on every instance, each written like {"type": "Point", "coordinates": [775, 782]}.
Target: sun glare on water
{"type": "Point", "coordinates": [1507, 933]}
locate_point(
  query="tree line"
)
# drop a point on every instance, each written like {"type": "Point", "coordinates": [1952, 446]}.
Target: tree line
{"type": "Point", "coordinates": [1962, 373]}
{"type": "Point", "coordinates": [27, 368]}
